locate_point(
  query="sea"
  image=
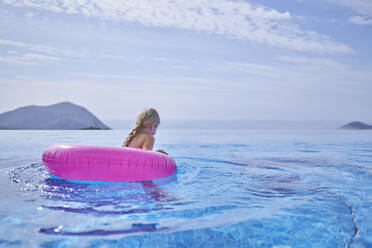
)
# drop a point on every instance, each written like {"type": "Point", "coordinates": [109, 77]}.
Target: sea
{"type": "Point", "coordinates": [234, 187]}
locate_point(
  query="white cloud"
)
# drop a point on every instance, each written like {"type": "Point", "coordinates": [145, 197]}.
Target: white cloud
{"type": "Point", "coordinates": [15, 60]}
{"type": "Point", "coordinates": [178, 82]}
{"type": "Point", "coordinates": [360, 20]}
{"type": "Point", "coordinates": [30, 14]}
{"type": "Point", "coordinates": [249, 69]}
{"type": "Point", "coordinates": [37, 48]}
{"type": "Point", "coordinates": [45, 53]}
{"type": "Point", "coordinates": [361, 6]}
{"type": "Point", "coordinates": [39, 57]}
{"type": "Point", "coordinates": [54, 52]}
{"type": "Point", "coordinates": [327, 73]}
{"type": "Point", "coordinates": [233, 19]}
{"type": "Point", "coordinates": [182, 67]}
{"type": "Point", "coordinates": [29, 59]}
{"type": "Point", "coordinates": [301, 60]}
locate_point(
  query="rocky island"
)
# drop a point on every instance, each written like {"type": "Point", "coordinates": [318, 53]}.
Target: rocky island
{"type": "Point", "coordinates": [60, 116]}
{"type": "Point", "coordinates": [356, 125]}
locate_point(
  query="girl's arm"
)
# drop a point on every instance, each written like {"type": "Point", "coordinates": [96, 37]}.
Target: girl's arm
{"type": "Point", "coordinates": [149, 144]}
{"type": "Point", "coordinates": [161, 151]}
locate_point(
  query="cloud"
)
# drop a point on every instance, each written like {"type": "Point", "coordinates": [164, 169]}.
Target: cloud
{"type": "Point", "coordinates": [28, 59]}
{"type": "Point", "coordinates": [363, 7]}
{"type": "Point", "coordinates": [54, 52]}
{"type": "Point", "coordinates": [232, 19]}
{"type": "Point", "coordinates": [138, 82]}
{"type": "Point", "coordinates": [30, 14]}
{"type": "Point", "coordinates": [324, 71]}
{"type": "Point", "coordinates": [37, 48]}
{"type": "Point", "coordinates": [249, 69]}
{"type": "Point", "coordinates": [302, 60]}
{"type": "Point", "coordinates": [360, 20]}
{"type": "Point", "coordinates": [182, 67]}
{"type": "Point", "coordinates": [360, 6]}
{"type": "Point", "coordinates": [15, 60]}
{"type": "Point", "coordinates": [40, 57]}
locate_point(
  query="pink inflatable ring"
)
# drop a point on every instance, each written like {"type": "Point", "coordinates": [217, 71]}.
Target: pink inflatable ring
{"type": "Point", "coordinates": [108, 164]}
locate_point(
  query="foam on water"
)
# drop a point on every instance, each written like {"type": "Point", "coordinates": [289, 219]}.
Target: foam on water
{"type": "Point", "coordinates": [250, 189]}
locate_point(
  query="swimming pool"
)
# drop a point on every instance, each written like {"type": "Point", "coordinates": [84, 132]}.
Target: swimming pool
{"type": "Point", "coordinates": [235, 188]}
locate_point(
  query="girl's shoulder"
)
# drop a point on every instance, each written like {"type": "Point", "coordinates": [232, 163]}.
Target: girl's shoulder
{"type": "Point", "coordinates": [145, 137]}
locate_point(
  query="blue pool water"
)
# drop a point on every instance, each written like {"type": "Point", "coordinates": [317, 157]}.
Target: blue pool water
{"type": "Point", "coordinates": [233, 188]}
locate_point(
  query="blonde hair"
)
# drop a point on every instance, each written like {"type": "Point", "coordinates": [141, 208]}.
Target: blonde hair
{"type": "Point", "coordinates": [147, 116]}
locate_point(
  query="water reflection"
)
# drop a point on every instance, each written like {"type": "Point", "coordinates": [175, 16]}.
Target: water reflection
{"type": "Point", "coordinates": [105, 199]}
{"type": "Point", "coordinates": [119, 197]}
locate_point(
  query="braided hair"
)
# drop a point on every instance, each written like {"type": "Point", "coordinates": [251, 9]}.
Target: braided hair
{"type": "Point", "coordinates": [147, 116]}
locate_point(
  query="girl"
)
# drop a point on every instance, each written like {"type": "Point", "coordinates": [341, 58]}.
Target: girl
{"type": "Point", "coordinates": [142, 135]}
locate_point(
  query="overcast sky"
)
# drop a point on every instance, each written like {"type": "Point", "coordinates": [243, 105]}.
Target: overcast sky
{"type": "Point", "coordinates": [200, 59]}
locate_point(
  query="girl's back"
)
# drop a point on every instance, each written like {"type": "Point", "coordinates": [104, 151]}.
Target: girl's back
{"type": "Point", "coordinates": [143, 141]}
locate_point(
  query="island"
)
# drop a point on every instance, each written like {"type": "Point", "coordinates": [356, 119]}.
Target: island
{"type": "Point", "coordinates": [60, 116]}
{"type": "Point", "coordinates": [356, 125]}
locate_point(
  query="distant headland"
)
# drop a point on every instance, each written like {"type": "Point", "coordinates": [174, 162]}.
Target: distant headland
{"type": "Point", "coordinates": [356, 125]}
{"type": "Point", "coordinates": [60, 116]}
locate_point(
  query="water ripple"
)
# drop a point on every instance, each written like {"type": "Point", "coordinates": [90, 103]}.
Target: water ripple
{"type": "Point", "coordinates": [136, 228]}
{"type": "Point", "coordinates": [207, 193]}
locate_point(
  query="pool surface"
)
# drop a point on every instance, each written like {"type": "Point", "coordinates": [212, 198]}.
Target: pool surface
{"type": "Point", "coordinates": [235, 188]}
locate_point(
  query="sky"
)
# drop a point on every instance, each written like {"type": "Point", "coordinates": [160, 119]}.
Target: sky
{"type": "Point", "coordinates": [191, 60]}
